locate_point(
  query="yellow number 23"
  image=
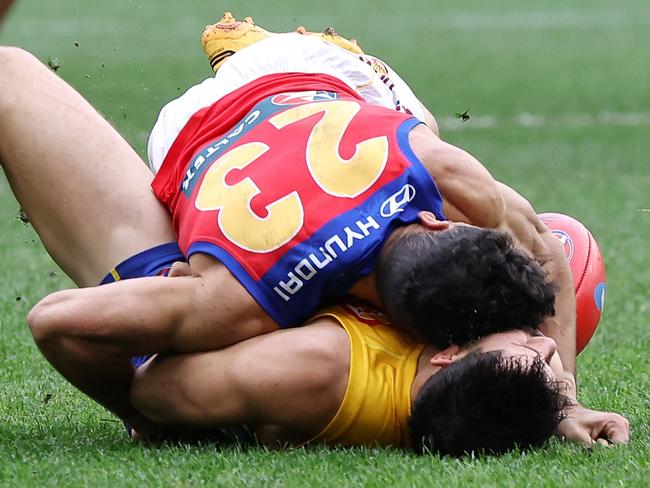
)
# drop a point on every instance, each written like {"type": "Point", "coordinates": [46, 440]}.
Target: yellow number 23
{"type": "Point", "coordinates": [345, 178]}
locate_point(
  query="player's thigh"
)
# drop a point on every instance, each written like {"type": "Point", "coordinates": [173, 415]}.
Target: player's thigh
{"type": "Point", "coordinates": [85, 190]}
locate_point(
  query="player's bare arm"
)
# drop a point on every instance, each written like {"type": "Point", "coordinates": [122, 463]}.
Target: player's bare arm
{"type": "Point", "coordinates": [523, 223]}
{"type": "Point", "coordinates": [142, 316]}
{"type": "Point", "coordinates": [472, 195]}
{"type": "Point", "coordinates": [188, 314]}
{"type": "Point", "coordinates": [285, 386]}
{"type": "Point", "coordinates": [429, 119]}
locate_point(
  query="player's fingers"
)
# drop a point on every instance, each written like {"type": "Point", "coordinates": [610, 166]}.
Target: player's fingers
{"type": "Point", "coordinates": [179, 268]}
{"type": "Point", "coordinates": [574, 432]}
{"type": "Point", "coordinates": [603, 442]}
{"type": "Point", "coordinates": [618, 430]}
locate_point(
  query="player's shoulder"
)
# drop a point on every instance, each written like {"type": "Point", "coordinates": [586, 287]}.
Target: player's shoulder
{"type": "Point", "coordinates": [322, 343]}
{"type": "Point", "coordinates": [325, 336]}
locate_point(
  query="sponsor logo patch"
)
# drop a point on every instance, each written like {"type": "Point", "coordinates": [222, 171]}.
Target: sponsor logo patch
{"type": "Point", "coordinates": [397, 201]}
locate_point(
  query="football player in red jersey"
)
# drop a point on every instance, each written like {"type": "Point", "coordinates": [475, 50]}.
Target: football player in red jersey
{"type": "Point", "coordinates": [89, 217]}
{"type": "Point", "coordinates": [213, 309]}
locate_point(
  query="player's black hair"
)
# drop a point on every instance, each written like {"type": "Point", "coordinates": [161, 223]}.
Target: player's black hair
{"type": "Point", "coordinates": [455, 286]}
{"type": "Point", "coordinates": [486, 403]}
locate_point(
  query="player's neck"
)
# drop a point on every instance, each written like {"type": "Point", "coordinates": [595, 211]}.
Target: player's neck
{"type": "Point", "coordinates": [365, 289]}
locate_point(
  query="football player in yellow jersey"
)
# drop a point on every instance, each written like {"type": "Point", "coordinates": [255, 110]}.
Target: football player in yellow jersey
{"type": "Point", "coordinates": [349, 378]}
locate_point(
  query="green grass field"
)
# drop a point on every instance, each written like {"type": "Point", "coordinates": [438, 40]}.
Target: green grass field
{"type": "Point", "coordinates": [560, 110]}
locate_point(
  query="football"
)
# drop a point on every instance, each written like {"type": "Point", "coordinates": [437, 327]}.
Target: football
{"type": "Point", "coordinates": [588, 269]}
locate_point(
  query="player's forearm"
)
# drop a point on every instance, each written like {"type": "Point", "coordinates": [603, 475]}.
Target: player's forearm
{"type": "Point", "coordinates": [150, 315]}
{"type": "Point", "coordinates": [562, 327]}
{"type": "Point", "coordinates": [130, 317]}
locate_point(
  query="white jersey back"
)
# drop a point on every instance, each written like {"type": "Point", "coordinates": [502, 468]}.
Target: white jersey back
{"type": "Point", "coordinates": [375, 81]}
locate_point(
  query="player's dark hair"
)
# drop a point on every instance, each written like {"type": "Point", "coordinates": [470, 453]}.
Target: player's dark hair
{"type": "Point", "coordinates": [455, 286]}
{"type": "Point", "coordinates": [486, 403]}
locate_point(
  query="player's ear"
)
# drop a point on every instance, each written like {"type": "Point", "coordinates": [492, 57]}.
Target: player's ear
{"type": "Point", "coordinates": [430, 221]}
{"type": "Point", "coordinates": [445, 357]}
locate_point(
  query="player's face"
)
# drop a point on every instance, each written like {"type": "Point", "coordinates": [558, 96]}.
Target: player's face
{"type": "Point", "coordinates": [527, 346]}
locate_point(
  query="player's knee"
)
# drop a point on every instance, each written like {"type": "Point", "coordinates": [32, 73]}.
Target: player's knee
{"type": "Point", "coordinates": [14, 61]}
{"type": "Point", "coordinates": [43, 320]}
{"type": "Point", "coordinates": [13, 57]}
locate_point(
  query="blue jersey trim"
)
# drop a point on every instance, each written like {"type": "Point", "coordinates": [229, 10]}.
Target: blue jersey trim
{"type": "Point", "coordinates": [419, 171]}
{"type": "Point", "coordinates": [138, 361]}
{"type": "Point", "coordinates": [146, 263]}
{"type": "Point", "coordinates": [284, 317]}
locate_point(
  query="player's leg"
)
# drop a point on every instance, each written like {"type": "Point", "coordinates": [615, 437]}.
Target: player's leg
{"type": "Point", "coordinates": [372, 78]}
{"type": "Point", "coordinates": [228, 36]}
{"type": "Point", "coordinates": [84, 189]}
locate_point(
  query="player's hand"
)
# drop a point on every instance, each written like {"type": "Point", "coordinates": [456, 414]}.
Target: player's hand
{"type": "Point", "coordinates": [179, 268]}
{"type": "Point", "coordinates": [591, 427]}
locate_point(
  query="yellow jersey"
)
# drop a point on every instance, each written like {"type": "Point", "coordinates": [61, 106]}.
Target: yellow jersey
{"type": "Point", "coordinates": [383, 364]}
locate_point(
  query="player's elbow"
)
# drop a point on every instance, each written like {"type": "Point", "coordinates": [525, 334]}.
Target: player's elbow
{"type": "Point", "coordinates": [163, 400]}
{"type": "Point", "coordinates": [46, 319]}
{"type": "Point", "coordinates": [145, 401]}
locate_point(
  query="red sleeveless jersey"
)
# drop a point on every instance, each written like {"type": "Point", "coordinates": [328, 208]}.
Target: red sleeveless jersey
{"type": "Point", "coordinates": [294, 183]}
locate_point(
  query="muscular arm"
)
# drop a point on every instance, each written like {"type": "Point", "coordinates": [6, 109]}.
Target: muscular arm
{"type": "Point", "coordinates": [472, 195]}
{"type": "Point", "coordinates": [286, 385]}
{"type": "Point", "coordinates": [89, 334]}
{"type": "Point", "coordinates": [522, 222]}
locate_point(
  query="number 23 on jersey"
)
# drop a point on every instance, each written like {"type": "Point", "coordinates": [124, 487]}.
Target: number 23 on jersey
{"type": "Point", "coordinates": [334, 175]}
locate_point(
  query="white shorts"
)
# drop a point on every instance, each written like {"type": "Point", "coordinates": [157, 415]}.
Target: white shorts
{"type": "Point", "coordinates": [377, 83]}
